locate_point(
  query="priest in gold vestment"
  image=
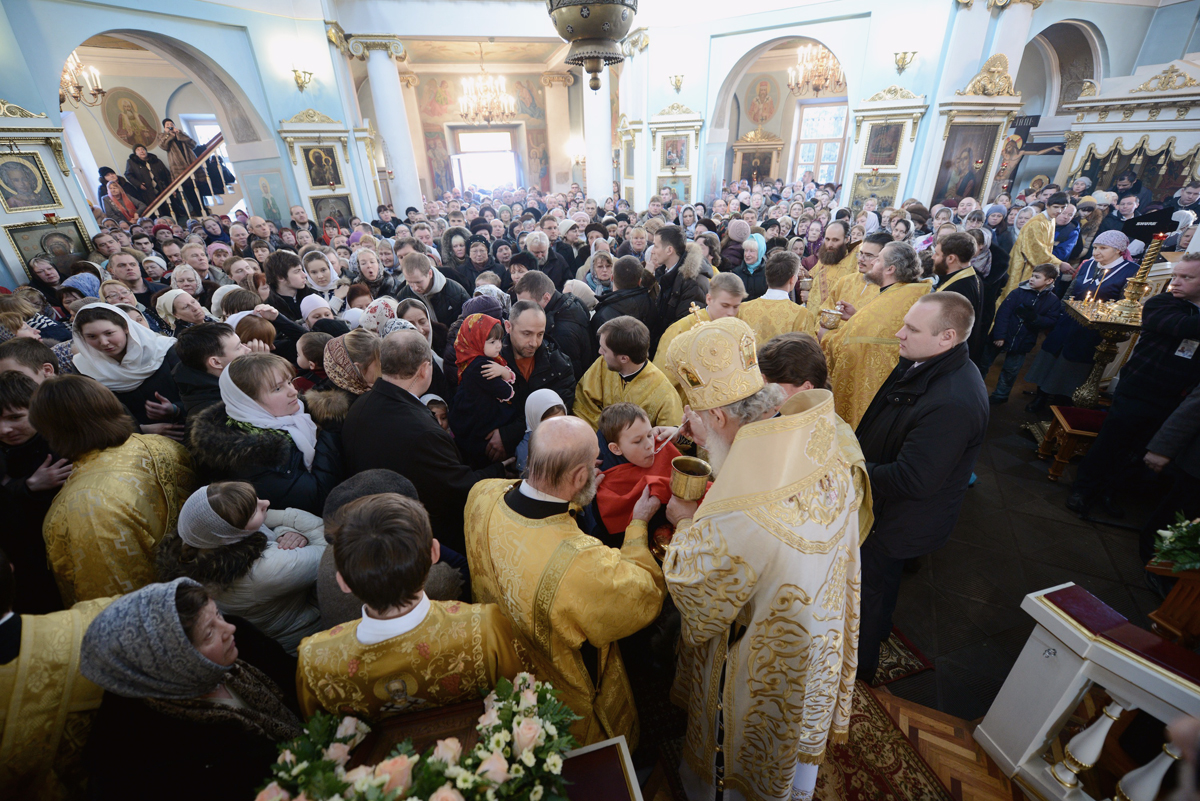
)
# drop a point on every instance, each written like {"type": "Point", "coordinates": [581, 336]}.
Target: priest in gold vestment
{"type": "Point", "coordinates": [765, 575]}
{"type": "Point", "coordinates": [46, 705]}
{"type": "Point", "coordinates": [835, 259]}
{"type": "Point", "coordinates": [775, 312]}
{"type": "Point", "coordinates": [854, 290]}
{"type": "Point", "coordinates": [724, 299]}
{"type": "Point", "coordinates": [406, 652]}
{"type": "Point", "coordinates": [863, 350]}
{"type": "Point", "coordinates": [569, 595]}
{"type": "Point", "coordinates": [1034, 245]}
{"type": "Point", "coordinates": [625, 374]}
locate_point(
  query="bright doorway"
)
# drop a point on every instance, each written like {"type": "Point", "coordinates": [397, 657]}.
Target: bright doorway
{"type": "Point", "coordinates": [485, 158]}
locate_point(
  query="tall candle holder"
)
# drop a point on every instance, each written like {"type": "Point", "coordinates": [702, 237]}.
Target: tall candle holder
{"type": "Point", "coordinates": [1114, 320]}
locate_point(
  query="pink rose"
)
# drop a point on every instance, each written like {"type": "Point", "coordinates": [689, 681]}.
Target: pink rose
{"type": "Point", "coordinates": [490, 701]}
{"type": "Point", "coordinates": [446, 793]}
{"type": "Point", "coordinates": [347, 728]}
{"type": "Point", "coordinates": [526, 734]}
{"type": "Point", "coordinates": [448, 751]}
{"type": "Point", "coordinates": [399, 772]}
{"type": "Point", "coordinates": [361, 772]}
{"type": "Point", "coordinates": [494, 768]}
{"type": "Point", "coordinates": [489, 718]}
{"type": "Point", "coordinates": [338, 753]}
{"type": "Point", "coordinates": [273, 792]}
{"type": "Point", "coordinates": [529, 699]}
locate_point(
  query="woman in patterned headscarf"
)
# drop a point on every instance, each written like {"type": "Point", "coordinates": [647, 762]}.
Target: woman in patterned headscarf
{"type": "Point", "coordinates": [352, 365]}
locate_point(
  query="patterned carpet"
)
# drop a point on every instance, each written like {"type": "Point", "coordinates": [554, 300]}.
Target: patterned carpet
{"type": "Point", "coordinates": [877, 763]}
{"type": "Point", "coordinates": [899, 659]}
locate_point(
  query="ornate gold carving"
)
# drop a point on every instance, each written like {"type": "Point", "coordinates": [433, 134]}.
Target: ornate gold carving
{"type": "Point", "coordinates": [949, 119]}
{"type": "Point", "coordinates": [858, 121]}
{"type": "Point", "coordinates": [893, 92]}
{"type": "Point", "coordinates": [1182, 112]}
{"type": "Point", "coordinates": [409, 79]}
{"type": "Point", "coordinates": [636, 42]}
{"type": "Point", "coordinates": [290, 142]}
{"type": "Point", "coordinates": [1103, 116]}
{"type": "Point", "coordinates": [336, 36]}
{"type": "Point", "coordinates": [345, 150]}
{"type": "Point", "coordinates": [1169, 80]}
{"type": "Point", "coordinates": [992, 80]}
{"type": "Point", "coordinates": [912, 131]}
{"type": "Point", "coordinates": [1153, 115]}
{"type": "Point", "coordinates": [1079, 117]}
{"type": "Point", "coordinates": [361, 44]}
{"type": "Point", "coordinates": [1090, 88]}
{"type": "Point", "coordinates": [56, 146]}
{"type": "Point", "coordinates": [566, 79]}
{"type": "Point", "coordinates": [758, 135]}
{"type": "Point", "coordinates": [675, 109]}
{"type": "Point", "coordinates": [1006, 3]}
{"type": "Point", "coordinates": [311, 115]}
{"type": "Point", "coordinates": [13, 110]}
{"type": "Point", "coordinates": [1073, 139]}
{"type": "Point", "coordinates": [1126, 115]}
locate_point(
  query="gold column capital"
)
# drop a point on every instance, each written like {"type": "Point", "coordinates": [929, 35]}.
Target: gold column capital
{"type": "Point", "coordinates": [566, 79]}
{"type": "Point", "coordinates": [361, 44]}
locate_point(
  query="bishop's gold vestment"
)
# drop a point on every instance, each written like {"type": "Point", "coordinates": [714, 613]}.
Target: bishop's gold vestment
{"type": "Point", "coordinates": [824, 277]}
{"type": "Point", "coordinates": [770, 317]}
{"type": "Point", "coordinates": [767, 582]}
{"type": "Point", "coordinates": [1034, 246]}
{"type": "Point", "coordinates": [561, 588]}
{"type": "Point", "coordinates": [456, 653]}
{"type": "Point", "coordinates": [105, 522]}
{"type": "Point", "coordinates": [863, 351]}
{"type": "Point", "coordinates": [46, 706]}
{"type": "Point", "coordinates": [651, 389]}
{"type": "Point", "coordinates": [685, 323]}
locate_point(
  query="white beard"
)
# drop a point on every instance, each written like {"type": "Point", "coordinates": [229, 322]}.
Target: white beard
{"type": "Point", "coordinates": [718, 451]}
{"type": "Point", "coordinates": [587, 493]}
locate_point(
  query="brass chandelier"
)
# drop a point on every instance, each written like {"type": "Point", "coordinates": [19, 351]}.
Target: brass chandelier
{"type": "Point", "coordinates": [79, 85]}
{"type": "Point", "coordinates": [816, 70]}
{"type": "Point", "coordinates": [484, 100]}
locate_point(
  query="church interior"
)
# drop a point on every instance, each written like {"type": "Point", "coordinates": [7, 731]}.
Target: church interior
{"type": "Point", "coordinates": [1031, 656]}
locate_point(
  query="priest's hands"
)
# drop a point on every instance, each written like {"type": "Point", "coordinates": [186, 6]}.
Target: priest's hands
{"type": "Point", "coordinates": [646, 506]}
{"type": "Point", "coordinates": [678, 509]}
{"type": "Point", "coordinates": [693, 428]}
{"type": "Point", "coordinates": [846, 309]}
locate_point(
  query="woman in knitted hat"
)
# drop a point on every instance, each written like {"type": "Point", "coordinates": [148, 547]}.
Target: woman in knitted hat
{"type": "Point", "coordinates": [181, 695]}
{"type": "Point", "coordinates": [259, 563]}
{"type": "Point", "coordinates": [1069, 351]}
{"type": "Point", "coordinates": [731, 247]}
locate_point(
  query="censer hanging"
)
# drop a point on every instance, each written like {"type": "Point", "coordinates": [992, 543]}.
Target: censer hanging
{"type": "Point", "coordinates": [594, 29]}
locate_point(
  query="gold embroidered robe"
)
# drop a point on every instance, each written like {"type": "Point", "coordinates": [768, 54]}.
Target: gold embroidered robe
{"type": "Point", "coordinates": [1034, 246]}
{"type": "Point", "coordinates": [770, 317]}
{"type": "Point", "coordinates": [104, 524]}
{"type": "Point", "coordinates": [852, 289]}
{"type": "Point", "coordinates": [863, 351]}
{"type": "Point", "coordinates": [824, 277]}
{"type": "Point", "coordinates": [46, 706]}
{"type": "Point", "coordinates": [772, 555]}
{"type": "Point", "coordinates": [456, 654]}
{"type": "Point", "coordinates": [676, 328]}
{"type": "Point", "coordinates": [651, 389]}
{"type": "Point", "coordinates": [561, 587]}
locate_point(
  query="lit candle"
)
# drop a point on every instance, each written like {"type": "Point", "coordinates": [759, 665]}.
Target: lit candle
{"type": "Point", "coordinates": [96, 80]}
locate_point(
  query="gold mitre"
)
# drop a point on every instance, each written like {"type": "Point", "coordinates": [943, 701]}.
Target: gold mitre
{"type": "Point", "coordinates": [716, 363]}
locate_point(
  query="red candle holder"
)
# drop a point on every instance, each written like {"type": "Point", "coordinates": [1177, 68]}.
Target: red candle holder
{"type": "Point", "coordinates": [51, 218]}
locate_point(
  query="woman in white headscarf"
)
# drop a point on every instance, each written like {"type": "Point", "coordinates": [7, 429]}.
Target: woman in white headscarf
{"type": "Point", "coordinates": [132, 361]}
{"type": "Point", "coordinates": [542, 404]}
{"type": "Point", "coordinates": [262, 434]}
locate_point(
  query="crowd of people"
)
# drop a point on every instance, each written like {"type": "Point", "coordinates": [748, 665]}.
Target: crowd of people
{"type": "Point", "coordinates": [254, 469]}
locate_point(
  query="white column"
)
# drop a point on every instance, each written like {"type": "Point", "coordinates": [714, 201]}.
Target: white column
{"type": "Point", "coordinates": [597, 134]}
{"type": "Point", "coordinates": [558, 127]}
{"type": "Point", "coordinates": [1012, 33]}
{"type": "Point", "coordinates": [388, 96]}
{"type": "Point", "coordinates": [411, 105]}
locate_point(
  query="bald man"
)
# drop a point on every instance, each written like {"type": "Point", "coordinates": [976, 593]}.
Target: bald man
{"type": "Point", "coordinates": [259, 229]}
{"type": "Point", "coordinates": [571, 596]}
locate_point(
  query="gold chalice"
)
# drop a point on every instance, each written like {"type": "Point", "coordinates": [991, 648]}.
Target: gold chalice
{"type": "Point", "coordinates": [804, 285]}
{"type": "Point", "coordinates": [830, 318]}
{"type": "Point", "coordinates": [689, 477]}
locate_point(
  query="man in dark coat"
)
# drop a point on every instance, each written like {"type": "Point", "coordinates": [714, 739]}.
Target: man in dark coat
{"type": "Point", "coordinates": [549, 261]}
{"type": "Point", "coordinates": [566, 319]}
{"type": "Point", "coordinates": [538, 365]}
{"type": "Point", "coordinates": [628, 298]}
{"type": "Point", "coordinates": [479, 261]}
{"type": "Point", "coordinates": [952, 264]}
{"type": "Point", "coordinates": [442, 297]}
{"type": "Point", "coordinates": [1161, 371]}
{"type": "Point", "coordinates": [300, 220]}
{"type": "Point", "coordinates": [204, 350]}
{"type": "Point", "coordinates": [678, 274]}
{"type": "Point", "coordinates": [920, 438]}
{"type": "Point", "coordinates": [390, 428]}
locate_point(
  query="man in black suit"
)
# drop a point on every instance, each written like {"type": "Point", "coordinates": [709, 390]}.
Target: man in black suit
{"type": "Point", "coordinates": [390, 428]}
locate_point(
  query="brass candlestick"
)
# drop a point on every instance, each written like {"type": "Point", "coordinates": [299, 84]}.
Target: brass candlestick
{"type": "Point", "coordinates": [1115, 321]}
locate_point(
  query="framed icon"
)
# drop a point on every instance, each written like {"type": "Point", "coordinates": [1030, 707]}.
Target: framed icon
{"type": "Point", "coordinates": [336, 206]}
{"type": "Point", "coordinates": [24, 183]}
{"type": "Point", "coordinates": [883, 144]}
{"type": "Point", "coordinates": [321, 166]}
{"type": "Point", "coordinates": [65, 241]}
{"type": "Point", "coordinates": [676, 152]}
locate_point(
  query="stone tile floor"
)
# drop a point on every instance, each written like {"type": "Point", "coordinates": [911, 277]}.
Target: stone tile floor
{"type": "Point", "coordinates": [1014, 536]}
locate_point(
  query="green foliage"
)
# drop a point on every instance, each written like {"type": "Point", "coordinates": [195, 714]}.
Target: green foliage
{"type": "Point", "coordinates": [1179, 544]}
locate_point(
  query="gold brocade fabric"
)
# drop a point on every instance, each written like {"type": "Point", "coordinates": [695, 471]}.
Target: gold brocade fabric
{"type": "Point", "coordinates": [863, 350]}
{"type": "Point", "coordinates": [46, 707]}
{"type": "Point", "coordinates": [560, 588]}
{"type": "Point", "coordinates": [852, 289]}
{"type": "Point", "coordinates": [771, 317]}
{"type": "Point", "coordinates": [772, 553]}
{"type": "Point", "coordinates": [108, 517]}
{"type": "Point", "coordinates": [685, 323]}
{"type": "Point", "coordinates": [1034, 246]}
{"type": "Point", "coordinates": [824, 277]}
{"type": "Point", "coordinates": [651, 389]}
{"type": "Point", "coordinates": [456, 654]}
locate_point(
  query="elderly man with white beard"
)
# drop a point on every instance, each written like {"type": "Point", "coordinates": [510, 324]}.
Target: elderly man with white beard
{"type": "Point", "coordinates": [764, 573]}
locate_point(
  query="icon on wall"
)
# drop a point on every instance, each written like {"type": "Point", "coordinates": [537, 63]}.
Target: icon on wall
{"type": "Point", "coordinates": [24, 183]}
{"type": "Point", "coordinates": [321, 166]}
{"type": "Point", "coordinates": [130, 118]}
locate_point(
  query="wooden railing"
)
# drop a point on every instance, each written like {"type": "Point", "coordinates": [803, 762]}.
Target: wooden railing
{"type": "Point", "coordinates": [187, 175]}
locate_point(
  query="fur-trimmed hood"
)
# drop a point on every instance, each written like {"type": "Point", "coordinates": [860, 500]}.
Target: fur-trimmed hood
{"type": "Point", "coordinates": [693, 262]}
{"type": "Point", "coordinates": [215, 567]}
{"type": "Point", "coordinates": [329, 407]}
{"type": "Point", "coordinates": [447, 252]}
{"type": "Point", "coordinates": [226, 448]}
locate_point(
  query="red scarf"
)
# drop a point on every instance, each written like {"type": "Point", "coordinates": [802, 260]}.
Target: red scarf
{"type": "Point", "coordinates": [472, 336]}
{"type": "Point", "coordinates": [124, 205]}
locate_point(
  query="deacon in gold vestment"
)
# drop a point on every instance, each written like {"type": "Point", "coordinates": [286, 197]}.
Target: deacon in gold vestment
{"type": "Point", "coordinates": [46, 706]}
{"type": "Point", "coordinates": [1034, 246]}
{"type": "Point", "coordinates": [863, 350]}
{"type": "Point", "coordinates": [765, 575]}
{"type": "Point", "coordinates": [854, 290]}
{"type": "Point", "coordinates": [105, 522]}
{"type": "Point", "coordinates": [569, 595]}
{"type": "Point", "coordinates": [775, 312]}
{"type": "Point", "coordinates": [724, 299]}
{"type": "Point", "coordinates": [457, 653]}
{"type": "Point", "coordinates": [835, 259]}
{"type": "Point", "coordinates": [624, 374]}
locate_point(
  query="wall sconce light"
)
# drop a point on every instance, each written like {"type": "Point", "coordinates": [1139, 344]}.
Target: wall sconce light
{"type": "Point", "coordinates": [578, 152]}
{"type": "Point", "coordinates": [903, 59]}
{"type": "Point", "coordinates": [978, 164]}
{"type": "Point", "coordinates": [303, 78]}
{"type": "Point", "coordinates": [676, 82]}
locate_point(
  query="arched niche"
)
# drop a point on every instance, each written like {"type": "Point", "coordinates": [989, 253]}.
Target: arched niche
{"type": "Point", "coordinates": [1057, 66]}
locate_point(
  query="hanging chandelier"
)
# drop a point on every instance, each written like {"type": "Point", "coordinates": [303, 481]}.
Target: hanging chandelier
{"type": "Point", "coordinates": [79, 85]}
{"type": "Point", "coordinates": [484, 100]}
{"type": "Point", "coordinates": [816, 71]}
